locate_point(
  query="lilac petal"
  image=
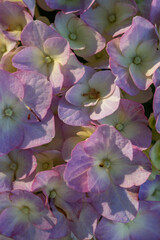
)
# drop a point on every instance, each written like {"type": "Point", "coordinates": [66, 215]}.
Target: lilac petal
{"type": "Point", "coordinates": [4, 201]}
{"type": "Point", "coordinates": [103, 82]}
{"type": "Point", "coordinates": [150, 190]}
{"type": "Point", "coordinates": [98, 179]}
{"type": "Point", "coordinates": [106, 106]}
{"type": "Point", "coordinates": [58, 49]}
{"type": "Point", "coordinates": [104, 138]}
{"type": "Point", "coordinates": [6, 181]}
{"type": "Point", "coordinates": [69, 7]}
{"type": "Point", "coordinates": [156, 101]}
{"type": "Point", "coordinates": [76, 170]}
{"type": "Point", "coordinates": [29, 163]}
{"type": "Point", "coordinates": [31, 58]}
{"type": "Point", "coordinates": [38, 133]}
{"type": "Point", "coordinates": [139, 134]}
{"type": "Point", "coordinates": [158, 123]}
{"type": "Point", "coordinates": [11, 136]}
{"type": "Point", "coordinates": [113, 230]}
{"type": "Point", "coordinates": [38, 91]}
{"type": "Point", "coordinates": [31, 5]}
{"type": "Point", "coordinates": [42, 179]}
{"type": "Point", "coordinates": [156, 78]}
{"type": "Point", "coordinates": [75, 94]}
{"type": "Point", "coordinates": [56, 78]}
{"type": "Point", "coordinates": [154, 12]}
{"type": "Point", "coordinates": [117, 204]}
{"type": "Point", "coordinates": [139, 78]}
{"type": "Point", "coordinates": [151, 46]}
{"type": "Point", "coordinates": [84, 227]}
{"type": "Point", "coordinates": [95, 18]}
{"type": "Point", "coordinates": [125, 10]}
{"type": "Point", "coordinates": [123, 78]}
{"type": "Point", "coordinates": [73, 115]}
{"type": "Point", "coordinates": [90, 35]}
{"type": "Point", "coordinates": [129, 41]}
{"type": "Point", "coordinates": [115, 53]}
{"type": "Point", "coordinates": [72, 71]}
{"type": "Point", "coordinates": [12, 85]}
{"type": "Point", "coordinates": [35, 33]}
{"type": "Point", "coordinates": [132, 173]}
{"type": "Point", "coordinates": [12, 222]}
{"type": "Point", "coordinates": [145, 225]}
{"type": "Point", "coordinates": [58, 231]}
{"type": "Point", "coordinates": [68, 146]}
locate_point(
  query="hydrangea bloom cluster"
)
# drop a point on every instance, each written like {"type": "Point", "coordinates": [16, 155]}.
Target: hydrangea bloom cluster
{"type": "Point", "coordinates": [79, 120]}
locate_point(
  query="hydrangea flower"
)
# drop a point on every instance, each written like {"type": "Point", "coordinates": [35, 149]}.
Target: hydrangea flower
{"type": "Point", "coordinates": [17, 165]}
{"type": "Point", "coordinates": [145, 226]}
{"type": "Point", "coordinates": [110, 17]}
{"type": "Point", "coordinates": [68, 6]}
{"type": "Point", "coordinates": [59, 195]}
{"type": "Point", "coordinates": [46, 52]}
{"type": "Point", "coordinates": [46, 160]}
{"type": "Point", "coordinates": [13, 24]}
{"type": "Point", "coordinates": [134, 56]}
{"type": "Point", "coordinates": [79, 34]}
{"type": "Point", "coordinates": [24, 117]}
{"type": "Point", "coordinates": [92, 98]}
{"type": "Point", "coordinates": [129, 119]}
{"type": "Point", "coordinates": [150, 190]}
{"type": "Point", "coordinates": [104, 159]}
{"type": "Point", "coordinates": [24, 216]}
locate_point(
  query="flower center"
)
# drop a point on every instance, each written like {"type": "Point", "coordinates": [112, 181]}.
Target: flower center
{"type": "Point", "coordinates": [112, 18]}
{"type": "Point", "coordinates": [45, 166]}
{"type": "Point", "coordinates": [137, 60]}
{"type": "Point", "coordinates": [8, 112]}
{"type": "Point", "coordinates": [106, 163]}
{"type": "Point", "coordinates": [52, 194]}
{"type": "Point", "coordinates": [72, 36]}
{"type": "Point", "coordinates": [93, 94]}
{"type": "Point", "coordinates": [48, 59]}
{"type": "Point", "coordinates": [119, 126]}
{"type": "Point", "coordinates": [25, 210]}
{"type": "Point", "coordinates": [13, 166]}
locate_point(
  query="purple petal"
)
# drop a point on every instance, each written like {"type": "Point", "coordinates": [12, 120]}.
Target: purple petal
{"type": "Point", "coordinates": [117, 204]}
{"type": "Point", "coordinates": [76, 170]}
{"type": "Point", "coordinates": [38, 91]}
{"type": "Point", "coordinates": [35, 33]}
{"type": "Point", "coordinates": [139, 78]}
{"type": "Point", "coordinates": [73, 115]}
{"type": "Point", "coordinates": [38, 133]}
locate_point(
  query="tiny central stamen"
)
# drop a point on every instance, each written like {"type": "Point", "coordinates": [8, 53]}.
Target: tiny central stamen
{"type": "Point", "coordinates": [105, 163]}
{"type": "Point", "coordinates": [52, 194]}
{"type": "Point", "coordinates": [112, 18]}
{"type": "Point", "coordinates": [48, 59]}
{"type": "Point", "coordinates": [45, 165]}
{"type": "Point", "coordinates": [137, 60]}
{"type": "Point", "coordinates": [8, 112]}
{"type": "Point", "coordinates": [119, 126]}
{"type": "Point", "coordinates": [25, 210]}
{"type": "Point", "coordinates": [72, 36]}
{"type": "Point", "coordinates": [13, 166]}
{"type": "Point", "coordinates": [93, 94]}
